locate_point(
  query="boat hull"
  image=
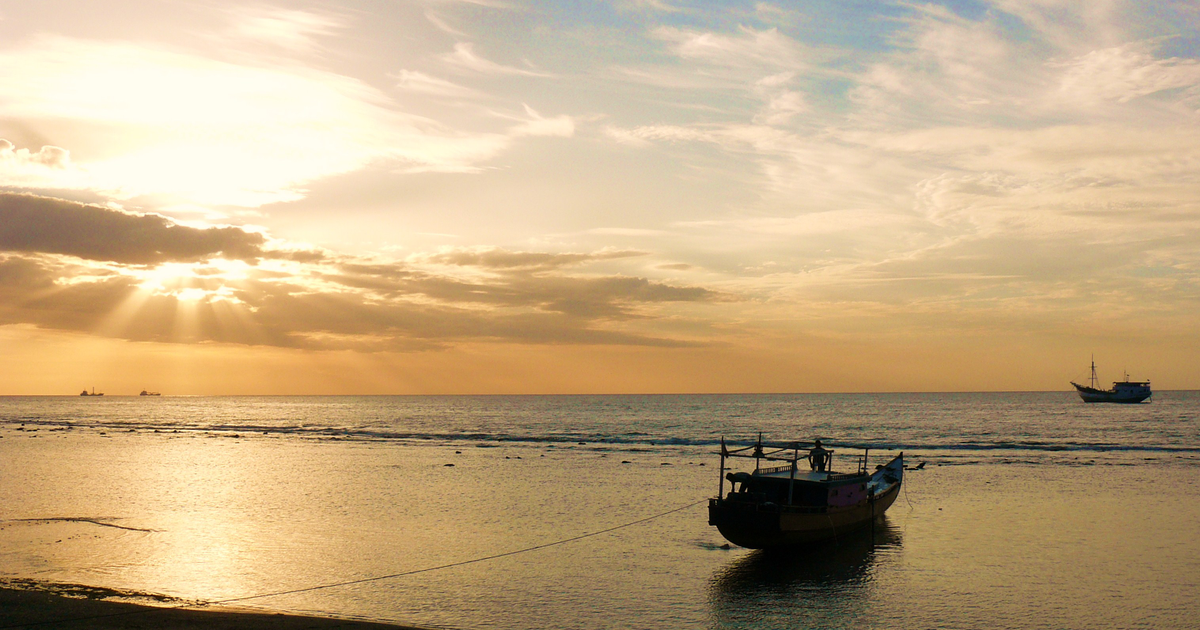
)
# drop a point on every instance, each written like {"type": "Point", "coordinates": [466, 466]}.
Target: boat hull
{"type": "Point", "coordinates": [762, 525]}
{"type": "Point", "coordinates": [1128, 396]}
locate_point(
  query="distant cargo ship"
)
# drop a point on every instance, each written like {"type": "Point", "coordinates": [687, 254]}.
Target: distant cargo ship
{"type": "Point", "coordinates": [85, 393]}
{"type": "Point", "coordinates": [1126, 391]}
{"type": "Point", "coordinates": [148, 393]}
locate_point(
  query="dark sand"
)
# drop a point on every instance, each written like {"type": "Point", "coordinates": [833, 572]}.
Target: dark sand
{"type": "Point", "coordinates": [29, 604]}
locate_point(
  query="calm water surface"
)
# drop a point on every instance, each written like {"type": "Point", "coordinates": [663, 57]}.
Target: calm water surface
{"type": "Point", "coordinates": [1034, 510]}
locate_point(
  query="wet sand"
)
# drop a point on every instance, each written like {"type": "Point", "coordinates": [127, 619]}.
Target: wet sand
{"type": "Point", "coordinates": [39, 605]}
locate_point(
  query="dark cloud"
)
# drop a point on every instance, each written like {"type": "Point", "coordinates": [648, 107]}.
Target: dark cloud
{"type": "Point", "coordinates": [351, 306]}
{"type": "Point", "coordinates": [500, 259]}
{"type": "Point", "coordinates": [330, 320]}
{"type": "Point", "coordinates": [33, 291]}
{"type": "Point", "coordinates": [299, 255]}
{"type": "Point", "coordinates": [24, 274]}
{"type": "Point", "coordinates": [30, 223]}
{"type": "Point", "coordinates": [523, 286]}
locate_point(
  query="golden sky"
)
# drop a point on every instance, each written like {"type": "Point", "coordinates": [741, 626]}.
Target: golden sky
{"type": "Point", "coordinates": [493, 196]}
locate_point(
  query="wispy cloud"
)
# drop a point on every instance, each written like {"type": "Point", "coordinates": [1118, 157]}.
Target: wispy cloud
{"type": "Point", "coordinates": [290, 29]}
{"type": "Point", "coordinates": [421, 83]}
{"type": "Point", "coordinates": [659, 6]}
{"type": "Point", "coordinates": [748, 48]}
{"type": "Point", "coordinates": [442, 25]}
{"type": "Point", "coordinates": [500, 259]}
{"type": "Point", "coordinates": [465, 59]}
{"type": "Point", "coordinates": [1127, 72]}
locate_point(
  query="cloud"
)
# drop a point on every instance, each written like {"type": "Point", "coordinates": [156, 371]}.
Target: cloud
{"type": "Point", "coordinates": [464, 58]}
{"type": "Point", "coordinates": [659, 6]}
{"type": "Point", "coordinates": [39, 224]}
{"type": "Point", "coordinates": [562, 126]}
{"type": "Point", "coordinates": [146, 120]}
{"type": "Point", "coordinates": [1126, 72]}
{"type": "Point", "coordinates": [501, 259]}
{"type": "Point", "coordinates": [781, 107]}
{"type": "Point", "coordinates": [763, 65]}
{"type": "Point", "coordinates": [587, 300]}
{"type": "Point", "coordinates": [521, 280]}
{"type": "Point", "coordinates": [491, 4]}
{"type": "Point", "coordinates": [19, 159]}
{"type": "Point", "coordinates": [420, 83]}
{"type": "Point", "coordinates": [145, 290]}
{"type": "Point", "coordinates": [290, 29]}
{"type": "Point", "coordinates": [22, 168]}
{"type": "Point", "coordinates": [946, 68]}
{"type": "Point", "coordinates": [441, 24]}
{"type": "Point", "coordinates": [749, 48]}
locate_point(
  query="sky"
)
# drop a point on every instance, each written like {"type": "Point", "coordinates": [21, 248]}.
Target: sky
{"type": "Point", "coordinates": [624, 196]}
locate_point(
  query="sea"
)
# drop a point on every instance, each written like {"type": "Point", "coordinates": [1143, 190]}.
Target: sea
{"type": "Point", "coordinates": [1028, 510]}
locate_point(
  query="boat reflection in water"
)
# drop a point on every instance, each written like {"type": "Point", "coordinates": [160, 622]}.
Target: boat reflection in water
{"type": "Point", "coordinates": [824, 586]}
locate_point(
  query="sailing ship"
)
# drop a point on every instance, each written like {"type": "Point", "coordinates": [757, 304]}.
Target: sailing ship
{"type": "Point", "coordinates": [1126, 391]}
{"type": "Point", "coordinates": [781, 505]}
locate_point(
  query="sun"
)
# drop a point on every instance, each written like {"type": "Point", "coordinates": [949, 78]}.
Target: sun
{"type": "Point", "coordinates": [206, 281]}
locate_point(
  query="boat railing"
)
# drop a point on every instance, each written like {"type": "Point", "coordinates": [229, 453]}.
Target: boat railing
{"type": "Point", "coordinates": [784, 452]}
{"type": "Point", "coordinates": [841, 476]}
{"type": "Point", "coordinates": [787, 468]}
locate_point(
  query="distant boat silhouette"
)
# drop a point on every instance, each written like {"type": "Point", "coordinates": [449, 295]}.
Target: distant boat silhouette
{"type": "Point", "coordinates": [85, 393]}
{"type": "Point", "coordinates": [1126, 391]}
{"type": "Point", "coordinates": [146, 393]}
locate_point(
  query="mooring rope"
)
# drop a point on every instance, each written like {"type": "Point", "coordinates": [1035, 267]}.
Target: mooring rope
{"type": "Point", "coordinates": [365, 580]}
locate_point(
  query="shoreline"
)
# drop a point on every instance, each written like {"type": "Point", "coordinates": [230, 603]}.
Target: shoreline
{"type": "Point", "coordinates": [34, 604]}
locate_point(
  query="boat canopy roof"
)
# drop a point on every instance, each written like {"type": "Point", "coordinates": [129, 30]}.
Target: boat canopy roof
{"type": "Point", "coordinates": [781, 451]}
{"type": "Point", "coordinates": [806, 475]}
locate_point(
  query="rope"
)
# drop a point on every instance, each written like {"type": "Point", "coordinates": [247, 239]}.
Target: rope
{"type": "Point", "coordinates": [370, 579]}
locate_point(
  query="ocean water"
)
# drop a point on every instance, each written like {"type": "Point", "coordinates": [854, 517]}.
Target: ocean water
{"type": "Point", "coordinates": [1033, 510]}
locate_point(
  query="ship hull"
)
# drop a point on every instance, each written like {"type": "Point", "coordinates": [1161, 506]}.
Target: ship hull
{"type": "Point", "coordinates": [1093, 395]}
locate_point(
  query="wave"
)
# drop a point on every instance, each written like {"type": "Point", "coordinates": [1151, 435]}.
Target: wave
{"type": "Point", "coordinates": [625, 440]}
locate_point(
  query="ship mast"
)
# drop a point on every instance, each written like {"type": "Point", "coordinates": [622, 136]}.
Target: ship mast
{"type": "Point", "coordinates": [1094, 372]}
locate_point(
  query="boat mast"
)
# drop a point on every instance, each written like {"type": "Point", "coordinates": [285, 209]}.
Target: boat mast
{"type": "Point", "coordinates": [721, 475]}
{"type": "Point", "coordinates": [1094, 372]}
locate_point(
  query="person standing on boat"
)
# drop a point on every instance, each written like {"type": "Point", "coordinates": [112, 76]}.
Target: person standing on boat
{"type": "Point", "coordinates": [818, 457]}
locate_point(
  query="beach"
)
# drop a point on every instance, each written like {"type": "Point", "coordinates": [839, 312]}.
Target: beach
{"type": "Point", "coordinates": [30, 604]}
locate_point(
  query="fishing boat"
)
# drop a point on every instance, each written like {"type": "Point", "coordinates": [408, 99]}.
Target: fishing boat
{"type": "Point", "coordinates": [1126, 391]}
{"type": "Point", "coordinates": [795, 497]}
